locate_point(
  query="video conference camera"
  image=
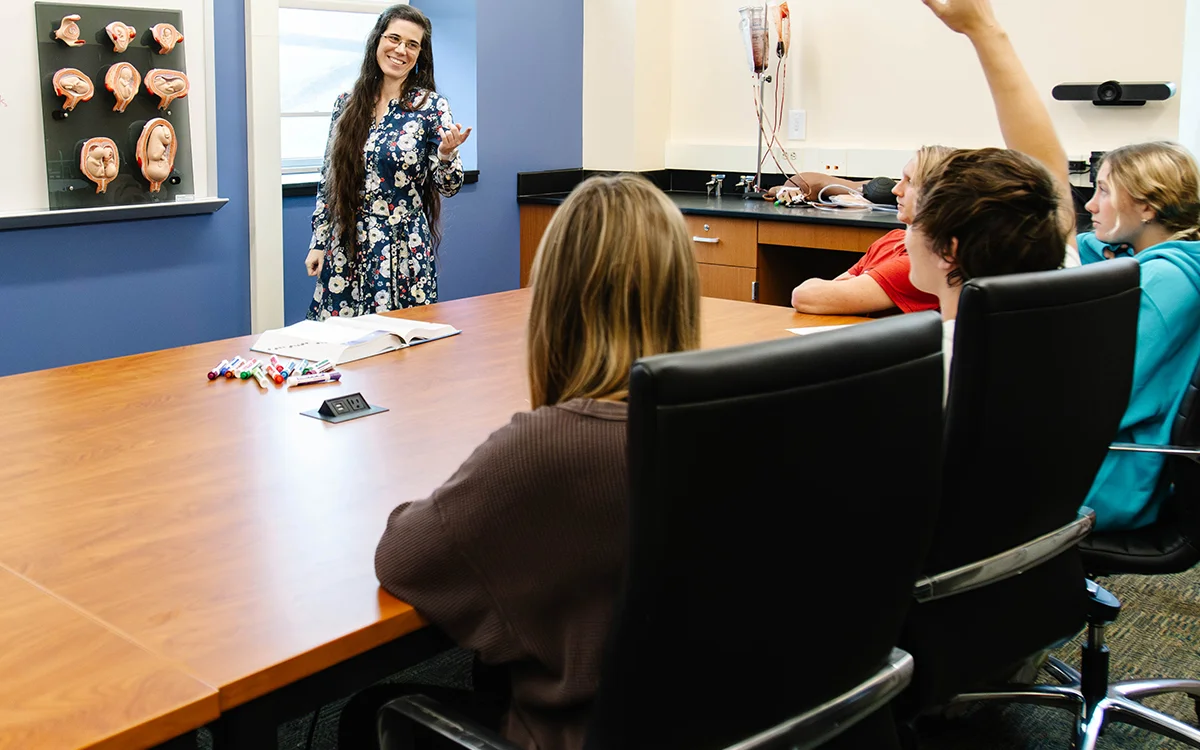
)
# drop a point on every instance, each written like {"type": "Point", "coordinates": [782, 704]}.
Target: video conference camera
{"type": "Point", "coordinates": [1114, 93]}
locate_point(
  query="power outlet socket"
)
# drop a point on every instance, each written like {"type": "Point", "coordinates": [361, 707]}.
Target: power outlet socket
{"type": "Point", "coordinates": [831, 161]}
{"type": "Point", "coordinates": [797, 124]}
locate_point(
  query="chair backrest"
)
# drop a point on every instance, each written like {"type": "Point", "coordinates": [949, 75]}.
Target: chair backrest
{"type": "Point", "coordinates": [781, 495]}
{"type": "Point", "coordinates": [1183, 508]}
{"type": "Point", "coordinates": [1043, 364]}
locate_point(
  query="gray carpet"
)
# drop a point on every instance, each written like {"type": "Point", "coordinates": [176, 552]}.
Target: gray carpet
{"type": "Point", "coordinates": [1157, 635]}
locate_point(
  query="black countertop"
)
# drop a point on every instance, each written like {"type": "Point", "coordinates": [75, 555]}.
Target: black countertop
{"type": "Point", "coordinates": [737, 207]}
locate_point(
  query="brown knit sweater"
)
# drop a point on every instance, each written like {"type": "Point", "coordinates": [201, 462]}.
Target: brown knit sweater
{"type": "Point", "coordinates": [519, 557]}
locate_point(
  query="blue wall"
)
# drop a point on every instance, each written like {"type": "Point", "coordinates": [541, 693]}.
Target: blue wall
{"type": "Point", "coordinates": [73, 294]}
{"type": "Point", "coordinates": [530, 117]}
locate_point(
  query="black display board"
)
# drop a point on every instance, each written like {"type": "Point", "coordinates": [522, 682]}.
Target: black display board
{"type": "Point", "coordinates": [68, 187]}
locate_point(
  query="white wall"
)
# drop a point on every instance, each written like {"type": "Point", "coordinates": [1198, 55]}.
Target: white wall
{"type": "Point", "coordinates": [879, 78]}
{"type": "Point", "coordinates": [626, 80]}
{"type": "Point", "coordinates": [1189, 106]}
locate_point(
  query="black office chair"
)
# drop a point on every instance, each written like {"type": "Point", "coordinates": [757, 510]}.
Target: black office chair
{"type": "Point", "coordinates": [1169, 545]}
{"type": "Point", "coordinates": [781, 496]}
{"type": "Point", "coordinates": [1025, 435]}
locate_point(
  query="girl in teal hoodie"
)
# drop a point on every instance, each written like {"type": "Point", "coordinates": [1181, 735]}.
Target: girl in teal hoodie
{"type": "Point", "coordinates": [1147, 203]}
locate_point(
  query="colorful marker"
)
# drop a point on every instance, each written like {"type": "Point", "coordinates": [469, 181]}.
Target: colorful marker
{"type": "Point", "coordinates": [247, 368]}
{"type": "Point", "coordinates": [317, 377]}
{"type": "Point", "coordinates": [290, 369]}
{"type": "Point", "coordinates": [323, 366]}
{"type": "Point", "coordinates": [216, 372]}
{"type": "Point", "coordinates": [233, 365]}
{"type": "Point", "coordinates": [302, 368]}
{"type": "Point", "coordinates": [260, 376]}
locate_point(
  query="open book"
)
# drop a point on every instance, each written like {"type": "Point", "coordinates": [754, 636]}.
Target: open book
{"type": "Point", "coordinates": [342, 340]}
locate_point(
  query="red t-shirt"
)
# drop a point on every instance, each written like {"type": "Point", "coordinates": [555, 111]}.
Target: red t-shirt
{"type": "Point", "coordinates": [886, 261]}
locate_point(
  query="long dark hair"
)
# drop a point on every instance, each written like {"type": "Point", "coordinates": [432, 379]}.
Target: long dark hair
{"type": "Point", "coordinates": [347, 166]}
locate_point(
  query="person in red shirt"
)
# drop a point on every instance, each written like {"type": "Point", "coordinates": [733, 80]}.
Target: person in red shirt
{"type": "Point", "coordinates": [878, 282]}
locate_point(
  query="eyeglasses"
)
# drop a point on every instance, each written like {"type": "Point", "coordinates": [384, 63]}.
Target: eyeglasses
{"type": "Point", "coordinates": [397, 41]}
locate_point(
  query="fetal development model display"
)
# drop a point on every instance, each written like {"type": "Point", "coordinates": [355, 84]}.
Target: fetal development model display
{"type": "Point", "coordinates": [73, 84]}
{"type": "Point", "coordinates": [123, 81]}
{"type": "Point", "coordinates": [68, 31]}
{"type": "Point", "coordinates": [100, 162]}
{"type": "Point", "coordinates": [167, 37]}
{"type": "Point", "coordinates": [156, 152]}
{"type": "Point", "coordinates": [121, 35]}
{"type": "Point", "coordinates": [169, 85]}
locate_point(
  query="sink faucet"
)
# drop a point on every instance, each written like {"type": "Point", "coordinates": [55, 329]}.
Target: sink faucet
{"type": "Point", "coordinates": [748, 184]}
{"type": "Point", "coordinates": [714, 185]}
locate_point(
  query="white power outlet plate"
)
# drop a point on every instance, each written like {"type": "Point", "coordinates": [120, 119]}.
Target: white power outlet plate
{"type": "Point", "coordinates": [797, 124]}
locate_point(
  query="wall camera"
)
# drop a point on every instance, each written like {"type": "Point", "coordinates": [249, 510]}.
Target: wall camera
{"type": "Point", "coordinates": [1114, 93]}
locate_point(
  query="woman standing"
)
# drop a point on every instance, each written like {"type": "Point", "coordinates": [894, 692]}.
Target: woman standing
{"type": "Point", "coordinates": [392, 154]}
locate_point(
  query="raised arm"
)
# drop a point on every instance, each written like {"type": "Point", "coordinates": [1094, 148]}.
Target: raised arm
{"type": "Point", "coordinates": [1024, 121]}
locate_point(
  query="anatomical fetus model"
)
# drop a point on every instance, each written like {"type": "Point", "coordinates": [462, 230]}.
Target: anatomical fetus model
{"type": "Point", "coordinates": [167, 37]}
{"type": "Point", "coordinates": [74, 85]}
{"type": "Point", "coordinates": [156, 152]}
{"type": "Point", "coordinates": [100, 162]}
{"type": "Point", "coordinates": [123, 80]}
{"type": "Point", "coordinates": [68, 32]}
{"type": "Point", "coordinates": [169, 85]}
{"type": "Point", "coordinates": [121, 35]}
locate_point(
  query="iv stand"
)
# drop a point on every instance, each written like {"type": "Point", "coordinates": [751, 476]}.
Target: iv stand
{"type": "Point", "coordinates": [756, 191]}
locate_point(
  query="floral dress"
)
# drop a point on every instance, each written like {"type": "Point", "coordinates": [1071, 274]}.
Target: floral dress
{"type": "Point", "coordinates": [395, 266]}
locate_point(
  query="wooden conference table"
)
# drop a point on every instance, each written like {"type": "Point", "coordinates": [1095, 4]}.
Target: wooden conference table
{"type": "Point", "coordinates": [227, 542]}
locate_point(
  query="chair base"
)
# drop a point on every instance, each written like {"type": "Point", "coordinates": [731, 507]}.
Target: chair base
{"type": "Point", "coordinates": [1118, 704]}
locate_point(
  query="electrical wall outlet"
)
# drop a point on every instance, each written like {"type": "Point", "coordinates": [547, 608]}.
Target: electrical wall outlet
{"type": "Point", "coordinates": [797, 124]}
{"type": "Point", "coordinates": [831, 161]}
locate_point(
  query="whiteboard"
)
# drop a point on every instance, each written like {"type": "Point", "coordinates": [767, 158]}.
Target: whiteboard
{"type": "Point", "coordinates": [23, 189]}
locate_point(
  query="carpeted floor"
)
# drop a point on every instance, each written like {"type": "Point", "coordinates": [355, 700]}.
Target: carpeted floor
{"type": "Point", "coordinates": [1157, 635]}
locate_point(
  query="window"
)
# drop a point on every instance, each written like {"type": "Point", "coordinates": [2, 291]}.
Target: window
{"type": "Point", "coordinates": [321, 45]}
{"type": "Point", "coordinates": [320, 53]}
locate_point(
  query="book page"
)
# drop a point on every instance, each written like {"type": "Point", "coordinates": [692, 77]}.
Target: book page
{"type": "Point", "coordinates": [405, 329]}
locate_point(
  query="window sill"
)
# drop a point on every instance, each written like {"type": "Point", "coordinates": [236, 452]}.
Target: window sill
{"type": "Point", "coordinates": [69, 217]}
{"type": "Point", "coordinates": [305, 184]}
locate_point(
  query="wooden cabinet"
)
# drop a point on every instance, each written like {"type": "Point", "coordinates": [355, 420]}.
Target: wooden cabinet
{"type": "Point", "coordinates": [724, 242]}
{"type": "Point", "coordinates": [742, 259]}
{"type": "Point", "coordinates": [727, 252]}
{"type": "Point", "coordinates": [727, 282]}
{"type": "Point", "coordinates": [534, 220]}
{"type": "Point", "coordinates": [818, 236]}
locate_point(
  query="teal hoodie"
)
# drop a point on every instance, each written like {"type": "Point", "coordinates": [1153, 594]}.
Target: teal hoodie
{"type": "Point", "coordinates": [1127, 492]}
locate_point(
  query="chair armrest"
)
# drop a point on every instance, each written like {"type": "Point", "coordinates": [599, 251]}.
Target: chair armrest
{"type": "Point", "coordinates": [1170, 450]}
{"type": "Point", "coordinates": [814, 728]}
{"type": "Point", "coordinates": [1005, 564]}
{"type": "Point", "coordinates": [396, 718]}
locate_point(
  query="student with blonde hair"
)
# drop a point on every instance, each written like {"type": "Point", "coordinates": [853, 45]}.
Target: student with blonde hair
{"type": "Point", "coordinates": [518, 556]}
{"type": "Point", "coordinates": [1147, 204]}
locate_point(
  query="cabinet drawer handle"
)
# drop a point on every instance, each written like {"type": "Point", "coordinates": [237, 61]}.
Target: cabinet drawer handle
{"type": "Point", "coordinates": [707, 240]}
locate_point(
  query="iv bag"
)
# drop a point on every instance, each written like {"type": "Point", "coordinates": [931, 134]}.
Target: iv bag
{"type": "Point", "coordinates": [755, 35]}
{"type": "Point", "coordinates": [783, 28]}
